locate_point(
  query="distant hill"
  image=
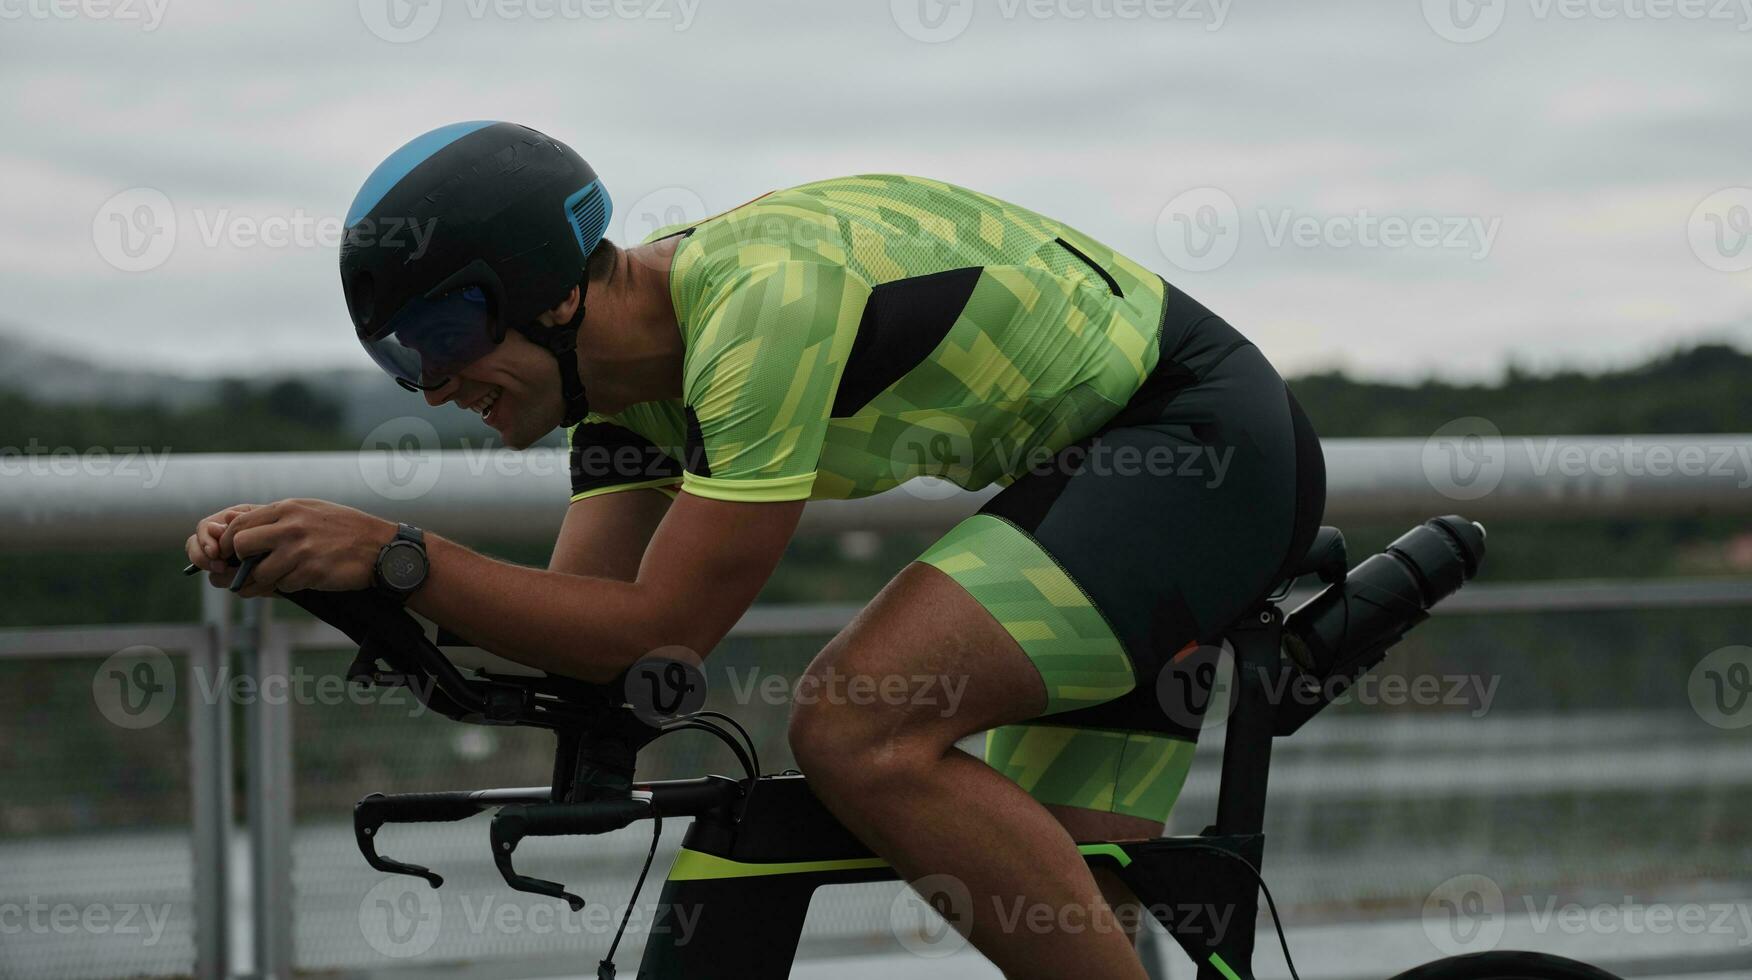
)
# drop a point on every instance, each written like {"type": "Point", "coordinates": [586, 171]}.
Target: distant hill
{"type": "Point", "coordinates": [1706, 388]}
{"type": "Point", "coordinates": [52, 376]}
{"type": "Point", "coordinates": [364, 398]}
{"type": "Point", "coordinates": [1702, 388]}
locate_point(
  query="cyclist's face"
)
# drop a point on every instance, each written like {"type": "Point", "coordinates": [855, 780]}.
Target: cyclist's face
{"type": "Point", "coordinates": [514, 388]}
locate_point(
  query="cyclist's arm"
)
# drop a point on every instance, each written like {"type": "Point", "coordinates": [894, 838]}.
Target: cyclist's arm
{"type": "Point", "coordinates": [758, 388]}
{"type": "Point", "coordinates": [606, 535]}
{"type": "Point", "coordinates": [622, 484]}
{"type": "Point", "coordinates": [705, 564]}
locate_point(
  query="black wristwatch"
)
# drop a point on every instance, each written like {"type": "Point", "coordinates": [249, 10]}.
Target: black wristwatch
{"type": "Point", "coordinates": [401, 564]}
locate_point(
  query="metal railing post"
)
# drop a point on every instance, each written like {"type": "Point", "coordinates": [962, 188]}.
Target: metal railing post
{"type": "Point", "coordinates": [268, 721]}
{"type": "Point", "coordinates": [210, 787]}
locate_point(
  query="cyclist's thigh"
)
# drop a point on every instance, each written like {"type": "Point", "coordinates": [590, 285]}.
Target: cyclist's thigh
{"type": "Point", "coordinates": [924, 659]}
{"type": "Point", "coordinates": [1158, 532]}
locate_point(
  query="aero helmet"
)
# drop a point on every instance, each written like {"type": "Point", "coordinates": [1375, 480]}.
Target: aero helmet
{"type": "Point", "coordinates": [466, 231]}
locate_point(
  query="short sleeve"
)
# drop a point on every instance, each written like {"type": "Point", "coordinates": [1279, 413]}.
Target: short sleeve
{"type": "Point", "coordinates": [636, 449]}
{"type": "Point", "coordinates": [763, 363]}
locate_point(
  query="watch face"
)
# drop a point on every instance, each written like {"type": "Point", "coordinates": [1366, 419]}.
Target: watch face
{"type": "Point", "coordinates": [403, 566]}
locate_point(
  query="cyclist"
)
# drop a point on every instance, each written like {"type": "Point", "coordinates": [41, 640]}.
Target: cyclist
{"type": "Point", "coordinates": [830, 341]}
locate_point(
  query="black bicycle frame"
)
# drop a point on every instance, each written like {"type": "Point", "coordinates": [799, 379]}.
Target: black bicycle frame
{"type": "Point", "coordinates": [736, 897]}
{"type": "Point", "coordinates": [757, 850]}
{"type": "Point", "coordinates": [740, 889]}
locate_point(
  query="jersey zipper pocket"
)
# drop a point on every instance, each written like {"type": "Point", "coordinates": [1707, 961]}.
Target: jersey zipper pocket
{"type": "Point", "coordinates": [1112, 285]}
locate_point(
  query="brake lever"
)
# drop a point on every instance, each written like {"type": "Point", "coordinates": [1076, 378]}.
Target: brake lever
{"type": "Point", "coordinates": [513, 823]}
{"type": "Point", "coordinates": [372, 812]}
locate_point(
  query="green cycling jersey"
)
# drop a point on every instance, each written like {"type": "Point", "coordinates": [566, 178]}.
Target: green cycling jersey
{"type": "Point", "coordinates": [844, 336]}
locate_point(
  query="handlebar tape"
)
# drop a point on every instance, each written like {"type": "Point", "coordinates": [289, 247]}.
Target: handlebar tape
{"type": "Point", "coordinates": [421, 807]}
{"type": "Point", "coordinates": [562, 819]}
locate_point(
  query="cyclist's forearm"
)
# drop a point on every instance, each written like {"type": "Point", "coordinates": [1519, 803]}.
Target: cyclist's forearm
{"type": "Point", "coordinates": [589, 628]}
{"type": "Point", "coordinates": [704, 566]}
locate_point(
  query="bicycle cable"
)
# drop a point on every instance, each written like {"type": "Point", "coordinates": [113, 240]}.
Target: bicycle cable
{"type": "Point", "coordinates": [693, 724]}
{"type": "Point", "coordinates": [752, 751]}
{"type": "Point", "coordinates": [605, 967]}
{"type": "Point", "coordinates": [1276, 922]}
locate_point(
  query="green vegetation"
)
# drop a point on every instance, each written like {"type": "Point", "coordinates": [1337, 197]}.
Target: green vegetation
{"type": "Point", "coordinates": [280, 416]}
{"type": "Point", "coordinates": [1697, 389]}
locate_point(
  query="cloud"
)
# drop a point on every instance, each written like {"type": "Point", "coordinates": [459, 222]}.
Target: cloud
{"type": "Point", "coordinates": [1589, 140]}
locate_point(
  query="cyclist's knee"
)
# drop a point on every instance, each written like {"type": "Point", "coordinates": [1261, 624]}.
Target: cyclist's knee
{"type": "Point", "coordinates": [844, 745]}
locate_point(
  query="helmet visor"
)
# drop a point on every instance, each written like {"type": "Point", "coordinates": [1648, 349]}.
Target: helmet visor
{"type": "Point", "coordinates": [429, 340]}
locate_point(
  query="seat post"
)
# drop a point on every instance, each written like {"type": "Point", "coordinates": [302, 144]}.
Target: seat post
{"type": "Point", "coordinates": [1256, 643]}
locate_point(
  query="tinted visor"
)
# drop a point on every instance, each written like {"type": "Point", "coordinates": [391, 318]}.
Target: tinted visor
{"type": "Point", "coordinates": [430, 340]}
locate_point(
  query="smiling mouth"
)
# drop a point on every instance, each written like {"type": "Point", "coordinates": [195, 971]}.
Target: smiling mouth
{"type": "Point", "coordinates": [483, 406]}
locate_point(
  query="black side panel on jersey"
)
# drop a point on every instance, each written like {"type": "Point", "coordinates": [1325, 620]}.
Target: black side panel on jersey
{"type": "Point", "coordinates": [697, 464]}
{"type": "Point", "coordinates": [903, 323]}
{"type": "Point", "coordinates": [608, 455]}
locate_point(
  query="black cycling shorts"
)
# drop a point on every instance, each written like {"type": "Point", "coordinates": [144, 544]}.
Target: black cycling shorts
{"type": "Point", "coordinates": [1157, 531]}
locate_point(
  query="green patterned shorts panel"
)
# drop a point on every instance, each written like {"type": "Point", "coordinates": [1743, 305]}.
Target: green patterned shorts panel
{"type": "Point", "coordinates": [1048, 614]}
{"type": "Point", "coordinates": [1139, 774]}
{"type": "Point", "coordinates": [1082, 663]}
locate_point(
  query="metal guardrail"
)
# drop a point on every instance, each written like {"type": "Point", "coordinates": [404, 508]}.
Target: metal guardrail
{"type": "Point", "coordinates": [207, 646]}
{"type": "Point", "coordinates": [68, 502]}
{"type": "Point", "coordinates": [504, 496]}
{"type": "Point", "coordinates": [268, 648]}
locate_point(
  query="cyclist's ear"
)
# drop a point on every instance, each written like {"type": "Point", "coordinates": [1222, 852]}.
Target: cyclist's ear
{"type": "Point", "coordinates": [561, 314]}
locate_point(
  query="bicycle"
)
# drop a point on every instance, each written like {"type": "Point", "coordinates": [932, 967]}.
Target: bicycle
{"type": "Point", "coordinates": [760, 846]}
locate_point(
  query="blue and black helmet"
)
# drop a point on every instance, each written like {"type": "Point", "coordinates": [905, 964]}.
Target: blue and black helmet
{"type": "Point", "coordinates": [466, 231]}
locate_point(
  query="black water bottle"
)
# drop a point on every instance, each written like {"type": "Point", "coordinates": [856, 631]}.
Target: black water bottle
{"type": "Point", "coordinates": [1348, 626]}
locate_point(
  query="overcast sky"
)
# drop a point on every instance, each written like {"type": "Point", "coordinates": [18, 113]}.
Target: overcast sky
{"type": "Point", "coordinates": [1394, 186]}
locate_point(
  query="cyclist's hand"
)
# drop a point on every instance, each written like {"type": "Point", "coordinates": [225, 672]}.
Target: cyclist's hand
{"type": "Point", "coordinates": [203, 545]}
{"type": "Point", "coordinates": [312, 544]}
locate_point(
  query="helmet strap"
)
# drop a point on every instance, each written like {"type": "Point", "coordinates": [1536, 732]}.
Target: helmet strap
{"type": "Point", "coordinates": [562, 342]}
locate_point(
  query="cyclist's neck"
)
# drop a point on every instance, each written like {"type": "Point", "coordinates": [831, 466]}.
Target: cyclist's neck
{"type": "Point", "coordinates": [629, 345]}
